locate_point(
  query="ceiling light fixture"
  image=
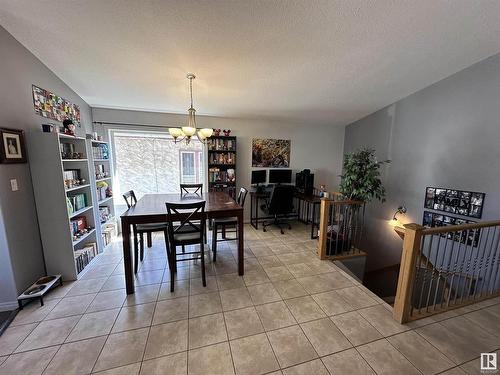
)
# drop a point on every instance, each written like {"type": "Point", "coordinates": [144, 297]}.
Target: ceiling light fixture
{"type": "Point", "coordinates": [188, 131]}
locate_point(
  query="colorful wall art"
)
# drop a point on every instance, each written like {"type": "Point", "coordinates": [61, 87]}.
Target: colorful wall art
{"type": "Point", "coordinates": [271, 153]}
{"type": "Point", "coordinates": [52, 106]}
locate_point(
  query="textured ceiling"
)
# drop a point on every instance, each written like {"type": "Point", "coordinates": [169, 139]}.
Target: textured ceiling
{"type": "Point", "coordinates": [307, 61]}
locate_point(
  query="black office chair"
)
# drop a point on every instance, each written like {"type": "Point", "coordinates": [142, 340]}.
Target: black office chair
{"type": "Point", "coordinates": [191, 189]}
{"type": "Point", "coordinates": [190, 232]}
{"type": "Point", "coordinates": [225, 223]}
{"type": "Point", "coordinates": [140, 229]}
{"type": "Point", "coordinates": [280, 204]}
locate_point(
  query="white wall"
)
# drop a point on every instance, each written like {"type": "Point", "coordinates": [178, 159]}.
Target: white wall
{"type": "Point", "coordinates": [317, 148]}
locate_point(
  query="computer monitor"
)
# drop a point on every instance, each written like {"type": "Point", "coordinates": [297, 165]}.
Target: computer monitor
{"type": "Point", "coordinates": [259, 177]}
{"type": "Point", "coordinates": [280, 176]}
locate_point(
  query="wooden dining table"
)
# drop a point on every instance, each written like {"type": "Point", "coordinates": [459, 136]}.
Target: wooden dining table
{"type": "Point", "coordinates": [151, 209]}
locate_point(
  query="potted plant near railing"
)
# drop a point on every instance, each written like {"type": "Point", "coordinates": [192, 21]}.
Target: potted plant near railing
{"type": "Point", "coordinates": [361, 176]}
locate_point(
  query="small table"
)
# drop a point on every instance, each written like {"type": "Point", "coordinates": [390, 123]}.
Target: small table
{"type": "Point", "coordinates": [308, 202]}
{"type": "Point", "coordinates": [151, 209]}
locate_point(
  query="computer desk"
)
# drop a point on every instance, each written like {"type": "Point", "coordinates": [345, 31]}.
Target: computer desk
{"type": "Point", "coordinates": [306, 205]}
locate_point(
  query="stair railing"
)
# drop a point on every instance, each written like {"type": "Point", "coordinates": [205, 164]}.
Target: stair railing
{"type": "Point", "coordinates": [444, 268]}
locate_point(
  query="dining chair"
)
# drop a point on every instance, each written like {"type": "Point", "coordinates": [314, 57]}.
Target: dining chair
{"type": "Point", "coordinates": [190, 231]}
{"type": "Point", "coordinates": [139, 230]}
{"type": "Point", "coordinates": [191, 189]}
{"type": "Point", "coordinates": [227, 223]}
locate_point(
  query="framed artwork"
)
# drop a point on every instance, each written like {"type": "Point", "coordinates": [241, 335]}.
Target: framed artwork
{"type": "Point", "coordinates": [12, 149]}
{"type": "Point", "coordinates": [465, 203]}
{"type": "Point", "coordinates": [470, 237]}
{"type": "Point", "coordinates": [270, 153]}
{"type": "Point", "coordinates": [50, 105]}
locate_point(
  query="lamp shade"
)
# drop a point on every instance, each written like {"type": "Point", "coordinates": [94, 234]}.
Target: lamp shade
{"type": "Point", "coordinates": [206, 132]}
{"type": "Point", "coordinates": [175, 132]}
{"type": "Point", "coordinates": [188, 131]}
{"type": "Point", "coordinates": [200, 135]}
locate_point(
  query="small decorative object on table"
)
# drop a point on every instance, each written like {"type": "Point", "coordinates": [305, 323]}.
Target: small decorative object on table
{"type": "Point", "coordinates": [216, 132]}
{"type": "Point", "coordinates": [12, 149]}
{"type": "Point", "coordinates": [227, 132]}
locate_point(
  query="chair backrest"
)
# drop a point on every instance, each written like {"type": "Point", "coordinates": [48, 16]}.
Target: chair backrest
{"type": "Point", "coordinates": [282, 200]}
{"type": "Point", "coordinates": [130, 198]}
{"type": "Point", "coordinates": [191, 189]}
{"type": "Point", "coordinates": [242, 195]}
{"type": "Point", "coordinates": [189, 217]}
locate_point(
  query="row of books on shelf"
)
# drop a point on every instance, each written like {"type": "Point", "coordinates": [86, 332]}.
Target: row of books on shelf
{"type": "Point", "coordinates": [216, 175]}
{"type": "Point", "coordinates": [76, 202]}
{"type": "Point", "coordinates": [100, 151]}
{"type": "Point", "coordinates": [222, 144]}
{"type": "Point", "coordinates": [84, 255]}
{"type": "Point", "coordinates": [104, 214]}
{"type": "Point", "coordinates": [222, 158]}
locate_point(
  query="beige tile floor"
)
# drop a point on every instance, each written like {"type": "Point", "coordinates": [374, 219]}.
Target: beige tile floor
{"type": "Point", "coordinates": [290, 314]}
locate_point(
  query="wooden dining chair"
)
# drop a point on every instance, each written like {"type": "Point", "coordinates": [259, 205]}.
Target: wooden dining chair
{"type": "Point", "coordinates": [191, 189]}
{"type": "Point", "coordinates": [190, 231]}
{"type": "Point", "coordinates": [139, 230]}
{"type": "Point", "coordinates": [224, 224]}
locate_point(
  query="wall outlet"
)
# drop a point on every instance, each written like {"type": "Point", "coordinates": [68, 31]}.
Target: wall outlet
{"type": "Point", "coordinates": [13, 185]}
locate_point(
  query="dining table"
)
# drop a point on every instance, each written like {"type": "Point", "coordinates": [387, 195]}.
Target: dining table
{"type": "Point", "coordinates": [151, 208]}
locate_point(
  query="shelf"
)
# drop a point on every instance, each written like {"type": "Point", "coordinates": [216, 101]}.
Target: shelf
{"type": "Point", "coordinates": [77, 187]}
{"type": "Point", "coordinates": [109, 221]}
{"type": "Point", "coordinates": [104, 200]}
{"type": "Point", "coordinates": [222, 151]}
{"type": "Point", "coordinates": [100, 142]}
{"type": "Point", "coordinates": [76, 213]}
{"type": "Point", "coordinates": [99, 160]}
{"type": "Point", "coordinates": [86, 235]}
{"type": "Point", "coordinates": [221, 165]}
{"type": "Point", "coordinates": [232, 137]}
{"type": "Point", "coordinates": [74, 159]}
{"type": "Point", "coordinates": [67, 136]}
{"type": "Point", "coordinates": [103, 179]}
{"type": "Point", "coordinates": [232, 183]}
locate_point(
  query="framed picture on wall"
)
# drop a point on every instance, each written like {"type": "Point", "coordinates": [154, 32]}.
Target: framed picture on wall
{"type": "Point", "coordinates": [465, 203]}
{"type": "Point", "coordinates": [12, 149]}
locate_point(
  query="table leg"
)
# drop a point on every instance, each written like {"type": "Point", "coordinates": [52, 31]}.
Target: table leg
{"type": "Point", "coordinates": [313, 220]}
{"type": "Point", "coordinates": [241, 266]}
{"type": "Point", "coordinates": [127, 259]}
{"type": "Point", "coordinates": [251, 211]}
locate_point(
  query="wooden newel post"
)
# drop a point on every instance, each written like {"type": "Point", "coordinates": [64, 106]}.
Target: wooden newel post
{"type": "Point", "coordinates": [411, 246]}
{"type": "Point", "coordinates": [323, 228]}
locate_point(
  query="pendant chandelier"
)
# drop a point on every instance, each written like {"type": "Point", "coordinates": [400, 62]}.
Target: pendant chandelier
{"type": "Point", "coordinates": [188, 131]}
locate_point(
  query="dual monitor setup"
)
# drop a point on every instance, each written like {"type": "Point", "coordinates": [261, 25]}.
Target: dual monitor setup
{"type": "Point", "coordinates": [304, 180]}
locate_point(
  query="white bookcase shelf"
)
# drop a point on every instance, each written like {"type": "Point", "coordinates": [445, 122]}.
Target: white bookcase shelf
{"type": "Point", "coordinates": [109, 226]}
{"type": "Point", "coordinates": [47, 173]}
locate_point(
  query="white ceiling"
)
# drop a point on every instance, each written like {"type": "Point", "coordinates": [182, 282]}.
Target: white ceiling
{"type": "Point", "coordinates": [303, 61]}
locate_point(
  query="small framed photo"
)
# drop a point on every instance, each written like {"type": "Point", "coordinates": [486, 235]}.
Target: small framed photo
{"type": "Point", "coordinates": [12, 149]}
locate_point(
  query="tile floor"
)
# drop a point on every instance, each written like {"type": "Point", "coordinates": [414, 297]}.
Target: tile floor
{"type": "Point", "coordinates": [289, 314]}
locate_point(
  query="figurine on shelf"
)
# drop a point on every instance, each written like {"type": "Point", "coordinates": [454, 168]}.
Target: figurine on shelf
{"type": "Point", "coordinates": [69, 127]}
{"type": "Point", "coordinates": [226, 132]}
{"type": "Point", "coordinates": [216, 132]}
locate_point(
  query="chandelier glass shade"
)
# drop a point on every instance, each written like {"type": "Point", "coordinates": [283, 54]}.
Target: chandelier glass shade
{"type": "Point", "coordinates": [187, 132]}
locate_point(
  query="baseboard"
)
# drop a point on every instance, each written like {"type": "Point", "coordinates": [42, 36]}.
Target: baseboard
{"type": "Point", "coordinates": [8, 306]}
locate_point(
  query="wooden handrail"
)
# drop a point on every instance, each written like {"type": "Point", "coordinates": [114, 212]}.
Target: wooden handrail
{"type": "Point", "coordinates": [457, 228]}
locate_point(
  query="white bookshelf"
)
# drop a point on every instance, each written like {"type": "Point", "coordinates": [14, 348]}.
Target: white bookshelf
{"type": "Point", "coordinates": [102, 202]}
{"type": "Point", "coordinates": [47, 167]}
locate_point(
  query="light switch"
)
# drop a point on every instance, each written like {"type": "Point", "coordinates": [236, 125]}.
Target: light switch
{"type": "Point", "coordinates": [13, 185]}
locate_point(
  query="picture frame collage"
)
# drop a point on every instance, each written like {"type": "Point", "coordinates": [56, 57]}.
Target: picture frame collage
{"type": "Point", "coordinates": [434, 219]}
{"type": "Point", "coordinates": [464, 203]}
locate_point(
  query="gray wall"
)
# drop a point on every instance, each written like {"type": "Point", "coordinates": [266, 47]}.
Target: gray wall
{"type": "Point", "coordinates": [20, 244]}
{"type": "Point", "coordinates": [448, 135]}
{"type": "Point", "coordinates": [317, 148]}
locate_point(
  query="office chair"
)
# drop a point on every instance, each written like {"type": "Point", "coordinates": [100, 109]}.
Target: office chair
{"type": "Point", "coordinates": [190, 232]}
{"type": "Point", "coordinates": [141, 229]}
{"type": "Point", "coordinates": [227, 222]}
{"type": "Point", "coordinates": [280, 204]}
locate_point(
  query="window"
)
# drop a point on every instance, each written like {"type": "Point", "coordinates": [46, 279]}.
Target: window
{"type": "Point", "coordinates": [149, 162]}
